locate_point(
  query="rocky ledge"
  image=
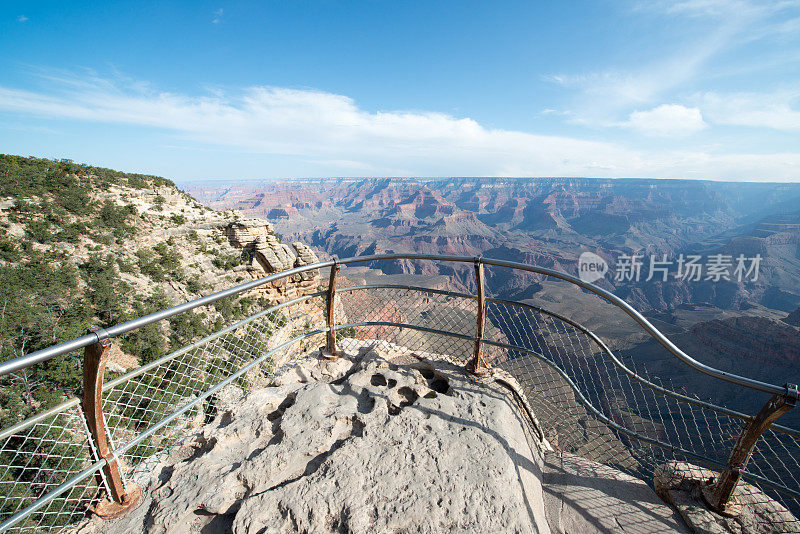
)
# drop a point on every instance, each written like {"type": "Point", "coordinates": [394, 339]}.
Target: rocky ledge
{"type": "Point", "coordinates": [681, 484]}
{"type": "Point", "coordinates": [379, 440]}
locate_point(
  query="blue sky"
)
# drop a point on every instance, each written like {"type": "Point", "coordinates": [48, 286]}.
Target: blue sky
{"type": "Point", "coordinates": [223, 90]}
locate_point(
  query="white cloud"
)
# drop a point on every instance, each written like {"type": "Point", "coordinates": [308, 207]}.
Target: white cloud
{"type": "Point", "coordinates": [615, 89]}
{"type": "Point", "coordinates": [667, 120]}
{"type": "Point", "coordinates": [605, 95]}
{"type": "Point", "coordinates": [719, 9]}
{"type": "Point", "coordinates": [324, 125]}
{"type": "Point", "coordinates": [331, 129]}
{"type": "Point", "coordinates": [777, 111]}
{"type": "Point", "coordinates": [217, 16]}
{"type": "Point", "coordinates": [602, 97]}
{"type": "Point", "coordinates": [699, 8]}
{"type": "Point", "coordinates": [22, 18]}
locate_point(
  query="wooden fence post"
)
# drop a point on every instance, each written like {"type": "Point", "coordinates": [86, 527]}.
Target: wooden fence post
{"type": "Point", "coordinates": [330, 351]}
{"type": "Point", "coordinates": [477, 365]}
{"type": "Point", "coordinates": [719, 494]}
{"type": "Point", "coordinates": [121, 498]}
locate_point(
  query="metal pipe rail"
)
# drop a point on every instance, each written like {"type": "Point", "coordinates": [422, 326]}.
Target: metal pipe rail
{"type": "Point", "coordinates": [97, 466]}
{"type": "Point", "coordinates": [600, 343]}
{"type": "Point", "coordinates": [106, 467]}
{"type": "Point", "coordinates": [128, 326]}
{"type": "Point", "coordinates": [607, 295]}
{"type": "Point", "coordinates": [123, 328]}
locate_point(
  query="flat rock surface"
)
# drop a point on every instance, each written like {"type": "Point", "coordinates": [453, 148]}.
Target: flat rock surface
{"type": "Point", "coordinates": [582, 496]}
{"type": "Point", "coordinates": [358, 444]}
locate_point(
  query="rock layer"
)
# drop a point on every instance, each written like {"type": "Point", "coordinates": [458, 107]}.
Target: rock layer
{"type": "Point", "coordinates": [244, 232]}
{"type": "Point", "coordinates": [269, 256]}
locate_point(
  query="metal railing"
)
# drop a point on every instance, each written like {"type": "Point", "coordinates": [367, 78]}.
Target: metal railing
{"type": "Point", "coordinates": [94, 452]}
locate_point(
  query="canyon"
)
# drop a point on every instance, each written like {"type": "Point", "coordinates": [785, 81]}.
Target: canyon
{"type": "Point", "coordinates": [132, 244]}
{"type": "Point", "coordinates": [733, 323]}
{"type": "Point", "coordinates": [549, 222]}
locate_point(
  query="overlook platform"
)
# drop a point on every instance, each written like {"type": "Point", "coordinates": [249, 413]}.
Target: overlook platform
{"type": "Point", "coordinates": [383, 439]}
{"type": "Point", "coordinates": [581, 393]}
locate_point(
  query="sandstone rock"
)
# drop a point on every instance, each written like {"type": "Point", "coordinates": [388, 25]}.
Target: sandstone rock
{"type": "Point", "coordinates": [680, 484]}
{"type": "Point", "coordinates": [359, 444]}
{"type": "Point", "coordinates": [120, 362]}
{"type": "Point", "coordinates": [384, 439]}
{"type": "Point", "coordinates": [272, 255]}
{"type": "Point", "coordinates": [243, 233]}
{"type": "Point", "coordinates": [305, 256]}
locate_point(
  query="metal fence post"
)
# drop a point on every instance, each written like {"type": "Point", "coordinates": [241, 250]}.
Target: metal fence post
{"type": "Point", "coordinates": [719, 493]}
{"type": "Point", "coordinates": [477, 365]}
{"type": "Point", "coordinates": [121, 498]}
{"type": "Point", "coordinates": [330, 347]}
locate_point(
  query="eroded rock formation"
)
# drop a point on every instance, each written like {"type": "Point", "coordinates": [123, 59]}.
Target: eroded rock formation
{"type": "Point", "coordinates": [269, 256]}
{"type": "Point", "coordinates": [245, 232]}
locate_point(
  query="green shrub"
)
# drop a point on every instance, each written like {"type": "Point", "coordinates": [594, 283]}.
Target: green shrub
{"type": "Point", "coordinates": [187, 327]}
{"type": "Point", "coordinates": [39, 230]}
{"type": "Point", "coordinates": [72, 232]}
{"type": "Point", "coordinates": [115, 218]}
{"type": "Point", "coordinates": [106, 291]}
{"type": "Point", "coordinates": [149, 265]}
{"type": "Point", "coordinates": [40, 308]}
{"type": "Point", "coordinates": [158, 203]}
{"type": "Point", "coordinates": [228, 261]}
{"type": "Point", "coordinates": [160, 262]}
{"type": "Point", "coordinates": [73, 197]}
{"type": "Point", "coordinates": [193, 285]}
{"type": "Point", "coordinates": [148, 343]}
{"type": "Point", "coordinates": [126, 266]}
{"type": "Point", "coordinates": [9, 251]}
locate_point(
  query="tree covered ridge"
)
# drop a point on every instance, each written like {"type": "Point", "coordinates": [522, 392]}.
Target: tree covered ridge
{"type": "Point", "coordinates": [81, 246]}
{"type": "Point", "coordinates": [73, 254]}
{"type": "Point", "coordinates": [22, 176]}
{"type": "Point", "coordinates": [53, 198]}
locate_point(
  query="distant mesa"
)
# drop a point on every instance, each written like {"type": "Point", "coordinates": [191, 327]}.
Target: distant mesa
{"type": "Point", "coordinates": [753, 339]}
{"type": "Point", "coordinates": [551, 220]}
